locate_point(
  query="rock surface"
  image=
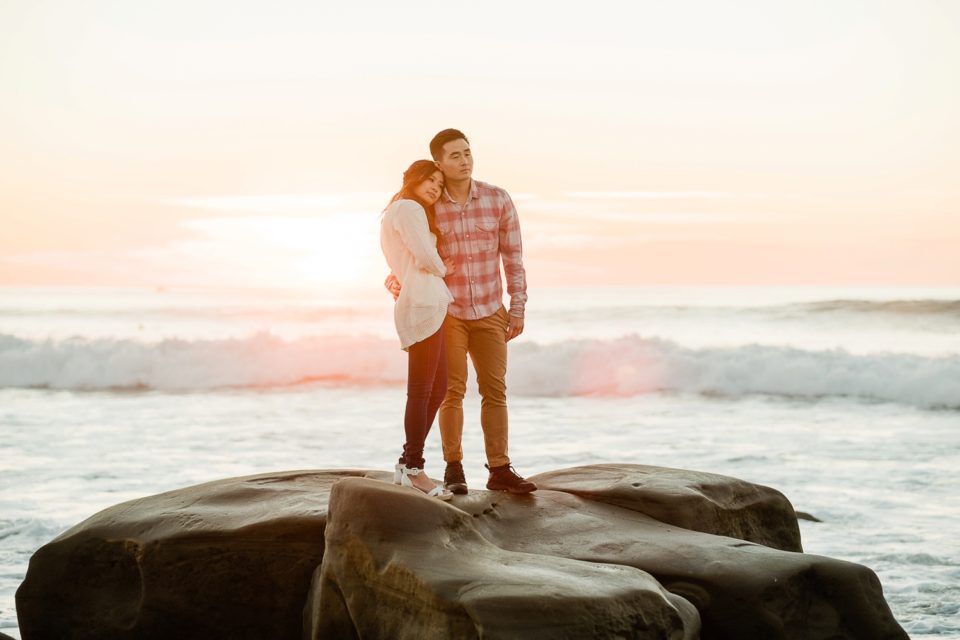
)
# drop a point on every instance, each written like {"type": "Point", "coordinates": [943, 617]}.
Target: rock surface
{"type": "Point", "coordinates": [692, 500]}
{"type": "Point", "coordinates": [447, 581]}
{"type": "Point", "coordinates": [618, 551]}
{"type": "Point", "coordinates": [225, 559]}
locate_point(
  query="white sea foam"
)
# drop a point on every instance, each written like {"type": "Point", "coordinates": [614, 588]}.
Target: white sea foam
{"type": "Point", "coordinates": [626, 366]}
{"type": "Point", "coordinates": [632, 366]}
{"type": "Point", "coordinates": [175, 365]}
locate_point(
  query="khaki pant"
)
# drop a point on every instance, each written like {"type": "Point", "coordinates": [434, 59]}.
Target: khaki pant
{"type": "Point", "coordinates": [485, 341]}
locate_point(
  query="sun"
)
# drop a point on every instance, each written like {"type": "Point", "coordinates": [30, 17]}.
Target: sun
{"type": "Point", "coordinates": [332, 248]}
{"type": "Point", "coordinates": [339, 248]}
{"type": "Point", "coordinates": [282, 251]}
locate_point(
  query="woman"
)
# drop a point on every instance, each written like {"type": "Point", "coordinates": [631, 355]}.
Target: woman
{"type": "Point", "coordinates": [408, 238]}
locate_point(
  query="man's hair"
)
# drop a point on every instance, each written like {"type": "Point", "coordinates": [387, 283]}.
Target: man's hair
{"type": "Point", "coordinates": [442, 138]}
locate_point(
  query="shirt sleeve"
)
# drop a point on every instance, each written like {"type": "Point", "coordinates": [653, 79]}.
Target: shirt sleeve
{"type": "Point", "coordinates": [511, 251]}
{"type": "Point", "coordinates": [411, 223]}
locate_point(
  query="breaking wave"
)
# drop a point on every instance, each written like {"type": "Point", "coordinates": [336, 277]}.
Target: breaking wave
{"type": "Point", "coordinates": [625, 366]}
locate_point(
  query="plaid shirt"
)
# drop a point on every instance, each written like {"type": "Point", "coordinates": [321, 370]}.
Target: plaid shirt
{"type": "Point", "coordinates": [477, 235]}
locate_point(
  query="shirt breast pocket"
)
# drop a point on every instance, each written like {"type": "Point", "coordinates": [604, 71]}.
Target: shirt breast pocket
{"type": "Point", "coordinates": [487, 234]}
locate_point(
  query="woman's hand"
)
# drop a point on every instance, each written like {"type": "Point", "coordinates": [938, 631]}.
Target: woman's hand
{"type": "Point", "coordinates": [451, 265]}
{"type": "Point", "coordinates": [392, 285]}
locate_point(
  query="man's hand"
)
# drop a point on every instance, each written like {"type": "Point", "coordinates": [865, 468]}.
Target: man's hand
{"type": "Point", "coordinates": [392, 285]}
{"type": "Point", "coordinates": [514, 328]}
{"type": "Point", "coordinates": [451, 265]}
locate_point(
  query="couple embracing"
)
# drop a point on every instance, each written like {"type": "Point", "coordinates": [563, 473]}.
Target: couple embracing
{"type": "Point", "coordinates": [444, 236]}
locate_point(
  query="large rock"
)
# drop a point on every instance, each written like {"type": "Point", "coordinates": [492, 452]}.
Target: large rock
{"type": "Point", "coordinates": [622, 551]}
{"type": "Point", "coordinates": [742, 590]}
{"type": "Point", "coordinates": [445, 580]}
{"type": "Point", "coordinates": [226, 559]}
{"type": "Point", "coordinates": [693, 500]}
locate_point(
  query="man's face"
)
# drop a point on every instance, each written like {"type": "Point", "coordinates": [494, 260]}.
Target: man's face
{"type": "Point", "coordinates": [456, 161]}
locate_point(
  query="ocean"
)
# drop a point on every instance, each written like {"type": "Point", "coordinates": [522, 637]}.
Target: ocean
{"type": "Point", "coordinates": [847, 400]}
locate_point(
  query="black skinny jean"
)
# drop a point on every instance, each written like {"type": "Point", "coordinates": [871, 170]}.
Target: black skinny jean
{"type": "Point", "coordinates": [426, 386]}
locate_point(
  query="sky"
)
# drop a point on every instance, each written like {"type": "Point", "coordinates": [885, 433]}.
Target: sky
{"type": "Point", "coordinates": [208, 143]}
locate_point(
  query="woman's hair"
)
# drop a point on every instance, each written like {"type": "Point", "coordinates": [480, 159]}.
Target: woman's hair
{"type": "Point", "coordinates": [417, 173]}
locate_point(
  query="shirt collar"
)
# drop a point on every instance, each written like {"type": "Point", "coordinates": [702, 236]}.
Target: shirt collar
{"type": "Point", "coordinates": [474, 194]}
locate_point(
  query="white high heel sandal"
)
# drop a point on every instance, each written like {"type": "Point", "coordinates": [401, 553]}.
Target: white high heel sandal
{"type": "Point", "coordinates": [436, 492]}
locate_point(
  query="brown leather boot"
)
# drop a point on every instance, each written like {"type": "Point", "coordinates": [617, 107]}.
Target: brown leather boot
{"type": "Point", "coordinates": [454, 480]}
{"type": "Point", "coordinates": [505, 478]}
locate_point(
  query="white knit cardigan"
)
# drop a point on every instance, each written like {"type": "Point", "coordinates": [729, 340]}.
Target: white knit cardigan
{"type": "Point", "coordinates": [411, 252]}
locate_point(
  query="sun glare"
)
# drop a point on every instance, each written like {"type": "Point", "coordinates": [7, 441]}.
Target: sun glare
{"type": "Point", "coordinates": [340, 249]}
{"type": "Point", "coordinates": [291, 251]}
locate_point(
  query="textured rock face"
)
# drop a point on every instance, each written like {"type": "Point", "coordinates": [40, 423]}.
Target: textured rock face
{"type": "Point", "coordinates": [226, 559]}
{"type": "Point", "coordinates": [447, 581]}
{"type": "Point", "coordinates": [618, 551]}
{"type": "Point", "coordinates": [692, 500]}
{"type": "Point", "coordinates": [741, 590]}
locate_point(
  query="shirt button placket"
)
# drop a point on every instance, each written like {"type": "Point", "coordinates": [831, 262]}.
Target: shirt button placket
{"type": "Point", "coordinates": [473, 292]}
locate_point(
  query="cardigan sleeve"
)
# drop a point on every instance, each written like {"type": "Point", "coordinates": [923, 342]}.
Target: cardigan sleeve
{"type": "Point", "coordinates": [411, 223]}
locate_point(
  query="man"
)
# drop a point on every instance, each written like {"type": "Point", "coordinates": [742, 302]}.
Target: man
{"type": "Point", "coordinates": [479, 228]}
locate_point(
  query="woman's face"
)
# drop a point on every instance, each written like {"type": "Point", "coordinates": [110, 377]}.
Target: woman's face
{"type": "Point", "coordinates": [430, 189]}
